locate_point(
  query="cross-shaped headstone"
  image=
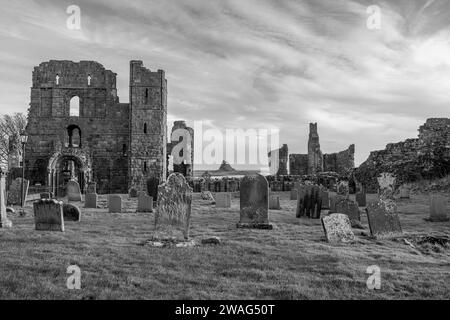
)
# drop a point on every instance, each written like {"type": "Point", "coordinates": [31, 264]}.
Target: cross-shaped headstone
{"type": "Point", "coordinates": [57, 79]}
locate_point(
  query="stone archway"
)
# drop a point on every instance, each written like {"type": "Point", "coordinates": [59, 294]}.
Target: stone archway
{"type": "Point", "coordinates": [80, 169]}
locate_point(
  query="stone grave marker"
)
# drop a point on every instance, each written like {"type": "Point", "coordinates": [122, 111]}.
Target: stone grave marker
{"type": "Point", "coordinates": [274, 202]}
{"type": "Point", "coordinates": [294, 192]}
{"type": "Point", "coordinates": [48, 215]}
{"type": "Point", "coordinates": [383, 218]}
{"type": "Point", "coordinates": [254, 202]}
{"type": "Point", "coordinates": [361, 198]}
{"type": "Point", "coordinates": [223, 200]}
{"type": "Point", "coordinates": [92, 187]}
{"type": "Point", "coordinates": [404, 193]}
{"type": "Point", "coordinates": [4, 221]}
{"type": "Point", "coordinates": [173, 213]}
{"type": "Point", "coordinates": [90, 200]}
{"type": "Point", "coordinates": [325, 195]}
{"type": "Point", "coordinates": [14, 191]}
{"type": "Point", "coordinates": [438, 208]}
{"type": "Point", "coordinates": [145, 202]}
{"type": "Point", "coordinates": [73, 191]}
{"type": "Point", "coordinates": [309, 202]}
{"type": "Point", "coordinates": [207, 195]}
{"type": "Point", "coordinates": [386, 183]}
{"type": "Point", "coordinates": [133, 193]}
{"type": "Point", "coordinates": [71, 212]}
{"type": "Point", "coordinates": [334, 201]}
{"type": "Point", "coordinates": [152, 188]}
{"type": "Point", "coordinates": [115, 203]}
{"type": "Point", "coordinates": [337, 228]}
{"type": "Point", "coordinates": [349, 208]}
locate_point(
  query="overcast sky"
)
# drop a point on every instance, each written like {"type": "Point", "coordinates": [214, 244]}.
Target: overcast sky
{"type": "Point", "coordinates": [254, 63]}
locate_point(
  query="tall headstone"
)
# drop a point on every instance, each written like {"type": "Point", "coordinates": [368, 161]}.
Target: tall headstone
{"type": "Point", "coordinates": [152, 188]}
{"type": "Point", "coordinates": [223, 200]}
{"type": "Point", "coordinates": [254, 202]}
{"type": "Point", "coordinates": [145, 202]}
{"type": "Point", "coordinates": [361, 198]}
{"type": "Point", "coordinates": [383, 218]}
{"type": "Point", "coordinates": [274, 202]}
{"type": "Point", "coordinates": [90, 200]}
{"type": "Point", "coordinates": [349, 208]}
{"type": "Point", "coordinates": [48, 215]}
{"type": "Point", "coordinates": [325, 195]}
{"type": "Point", "coordinates": [71, 212]}
{"type": "Point", "coordinates": [337, 228]}
{"type": "Point", "coordinates": [73, 191]}
{"type": "Point", "coordinates": [173, 213]}
{"type": "Point", "coordinates": [115, 203]}
{"type": "Point", "coordinates": [438, 208]}
{"type": "Point", "coordinates": [4, 221]}
{"type": "Point", "coordinates": [309, 202]}
{"type": "Point", "coordinates": [14, 192]}
{"type": "Point", "coordinates": [386, 183]}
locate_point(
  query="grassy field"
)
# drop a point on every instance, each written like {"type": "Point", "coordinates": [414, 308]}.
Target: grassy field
{"type": "Point", "coordinates": [293, 261]}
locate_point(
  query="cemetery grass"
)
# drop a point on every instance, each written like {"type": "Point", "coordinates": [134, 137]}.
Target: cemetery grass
{"type": "Point", "coordinates": [293, 261]}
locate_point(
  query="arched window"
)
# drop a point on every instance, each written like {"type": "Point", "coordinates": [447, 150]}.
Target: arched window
{"type": "Point", "coordinates": [57, 79]}
{"type": "Point", "coordinates": [75, 107]}
{"type": "Point", "coordinates": [145, 128]}
{"type": "Point", "coordinates": [146, 96]}
{"type": "Point", "coordinates": [74, 133]}
{"type": "Point", "coordinates": [145, 166]}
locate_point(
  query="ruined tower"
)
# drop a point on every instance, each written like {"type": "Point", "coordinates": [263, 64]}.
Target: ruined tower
{"type": "Point", "coordinates": [315, 156]}
{"type": "Point", "coordinates": [148, 125]}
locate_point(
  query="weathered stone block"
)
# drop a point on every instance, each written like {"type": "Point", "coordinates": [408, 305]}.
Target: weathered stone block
{"type": "Point", "coordinates": [337, 228]}
{"type": "Point", "coordinates": [48, 215]}
{"type": "Point", "coordinates": [115, 204]}
{"type": "Point", "coordinates": [438, 208]}
{"type": "Point", "coordinates": [383, 219]}
{"type": "Point", "coordinates": [145, 202]}
{"type": "Point", "coordinates": [90, 200]}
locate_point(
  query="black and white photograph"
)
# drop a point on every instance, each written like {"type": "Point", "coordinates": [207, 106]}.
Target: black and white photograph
{"type": "Point", "coordinates": [224, 156]}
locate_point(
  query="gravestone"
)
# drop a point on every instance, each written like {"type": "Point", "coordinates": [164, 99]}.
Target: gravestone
{"type": "Point", "coordinates": [294, 193]}
{"type": "Point", "coordinates": [14, 192]}
{"type": "Point", "coordinates": [133, 193]}
{"type": "Point", "coordinates": [361, 198]}
{"type": "Point", "coordinates": [343, 188]}
{"type": "Point", "coordinates": [404, 193]}
{"type": "Point", "coordinates": [254, 202]}
{"type": "Point", "coordinates": [386, 183]}
{"type": "Point", "coordinates": [383, 218]}
{"type": "Point", "coordinates": [438, 208]}
{"type": "Point", "coordinates": [309, 202]}
{"type": "Point", "coordinates": [334, 201]}
{"type": "Point", "coordinates": [145, 202]}
{"type": "Point", "coordinates": [337, 228]}
{"type": "Point", "coordinates": [90, 200]}
{"type": "Point", "coordinates": [48, 215]}
{"type": "Point", "coordinates": [71, 212]}
{"type": "Point", "coordinates": [73, 191]}
{"type": "Point", "coordinates": [325, 195]}
{"type": "Point", "coordinates": [4, 221]}
{"type": "Point", "coordinates": [173, 213]}
{"type": "Point", "coordinates": [274, 202]}
{"type": "Point", "coordinates": [207, 195]}
{"type": "Point", "coordinates": [91, 187]}
{"type": "Point", "coordinates": [223, 200]}
{"type": "Point", "coordinates": [115, 203]}
{"type": "Point", "coordinates": [152, 188]}
{"type": "Point", "coordinates": [349, 208]}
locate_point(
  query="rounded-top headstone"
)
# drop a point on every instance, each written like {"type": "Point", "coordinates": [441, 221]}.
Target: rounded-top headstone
{"type": "Point", "coordinates": [73, 191]}
{"type": "Point", "coordinates": [254, 201]}
{"type": "Point", "coordinates": [71, 212]}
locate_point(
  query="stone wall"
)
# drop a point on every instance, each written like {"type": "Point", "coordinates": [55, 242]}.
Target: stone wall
{"type": "Point", "coordinates": [278, 160]}
{"type": "Point", "coordinates": [341, 162]}
{"type": "Point", "coordinates": [298, 164]}
{"type": "Point", "coordinates": [413, 159]}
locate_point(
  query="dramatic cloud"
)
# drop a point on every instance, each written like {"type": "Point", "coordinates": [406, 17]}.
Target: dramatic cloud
{"type": "Point", "coordinates": [254, 63]}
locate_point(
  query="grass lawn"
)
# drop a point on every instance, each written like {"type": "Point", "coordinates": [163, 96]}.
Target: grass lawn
{"type": "Point", "coordinates": [293, 261]}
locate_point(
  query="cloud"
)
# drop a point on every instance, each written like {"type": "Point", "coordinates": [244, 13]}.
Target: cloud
{"type": "Point", "coordinates": [256, 63]}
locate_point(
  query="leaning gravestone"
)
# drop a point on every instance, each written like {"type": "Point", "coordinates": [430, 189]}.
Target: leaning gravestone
{"type": "Point", "coordinates": [223, 200]}
{"type": "Point", "coordinates": [71, 212]}
{"type": "Point", "coordinates": [152, 188]}
{"type": "Point", "coordinates": [383, 218]}
{"type": "Point", "coordinates": [115, 204]}
{"type": "Point", "coordinates": [438, 208]}
{"type": "Point", "coordinates": [145, 202]}
{"type": "Point", "coordinates": [48, 215]}
{"type": "Point", "coordinates": [274, 202]}
{"type": "Point", "coordinates": [14, 192]}
{"type": "Point", "coordinates": [337, 228]}
{"type": "Point", "coordinates": [4, 221]}
{"type": "Point", "coordinates": [207, 195]}
{"type": "Point", "coordinates": [173, 213]}
{"type": "Point", "coordinates": [254, 202]}
{"type": "Point", "coordinates": [73, 191]}
{"type": "Point", "coordinates": [90, 200]}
